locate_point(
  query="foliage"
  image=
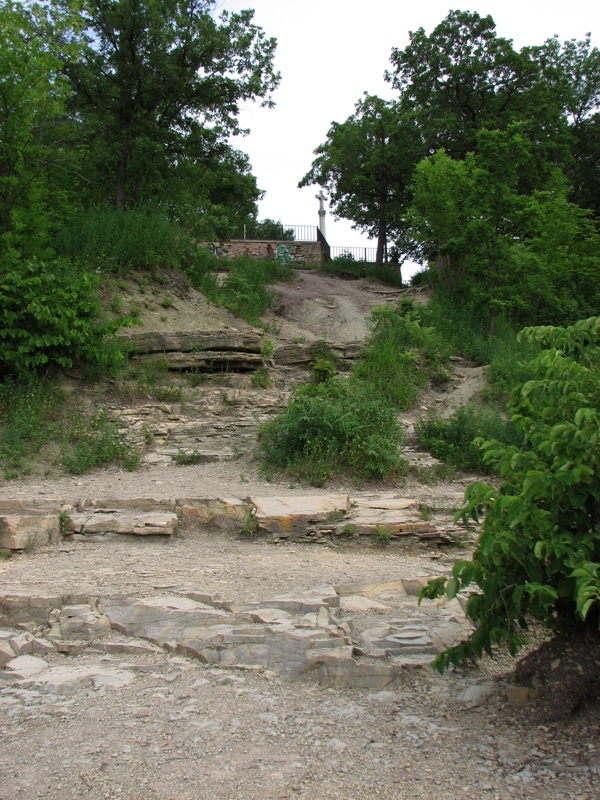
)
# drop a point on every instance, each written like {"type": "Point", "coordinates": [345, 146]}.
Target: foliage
{"type": "Point", "coordinates": [400, 355]}
{"type": "Point", "coordinates": [94, 442]}
{"type": "Point", "coordinates": [452, 440]}
{"type": "Point", "coordinates": [265, 229]}
{"type": "Point", "coordinates": [50, 315]}
{"type": "Point", "coordinates": [330, 428]}
{"type": "Point", "coordinates": [35, 414]}
{"type": "Point", "coordinates": [346, 266]}
{"type": "Point", "coordinates": [32, 131]}
{"type": "Point", "coordinates": [155, 80]}
{"type": "Point", "coordinates": [112, 242]}
{"type": "Point", "coordinates": [538, 555]}
{"type": "Point", "coordinates": [528, 255]}
{"type": "Point", "coordinates": [246, 289]}
{"type": "Point", "coordinates": [261, 378]}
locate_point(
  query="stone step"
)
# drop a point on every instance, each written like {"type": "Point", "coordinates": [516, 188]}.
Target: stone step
{"type": "Point", "coordinates": [308, 518]}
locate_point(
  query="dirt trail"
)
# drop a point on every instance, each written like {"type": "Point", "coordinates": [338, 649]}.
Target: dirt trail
{"type": "Point", "coordinates": [159, 725]}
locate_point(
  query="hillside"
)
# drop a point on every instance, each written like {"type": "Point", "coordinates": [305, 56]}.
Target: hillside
{"type": "Point", "coordinates": [260, 638]}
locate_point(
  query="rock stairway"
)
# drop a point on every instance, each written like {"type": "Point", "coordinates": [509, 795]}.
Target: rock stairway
{"type": "Point", "coordinates": [353, 635]}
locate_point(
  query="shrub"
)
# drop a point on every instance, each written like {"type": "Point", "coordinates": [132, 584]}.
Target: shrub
{"type": "Point", "coordinates": [94, 442]}
{"type": "Point", "coordinates": [330, 428]}
{"type": "Point", "coordinates": [538, 555]}
{"type": "Point", "coordinates": [399, 355]}
{"type": "Point", "coordinates": [50, 315]}
{"type": "Point", "coordinates": [246, 289]}
{"type": "Point", "coordinates": [453, 440]}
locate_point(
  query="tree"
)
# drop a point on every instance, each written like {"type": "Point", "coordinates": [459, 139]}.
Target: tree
{"type": "Point", "coordinates": [538, 556]}
{"type": "Point", "coordinates": [460, 79]}
{"type": "Point", "coordinates": [366, 165]}
{"type": "Point", "coordinates": [154, 74]}
{"type": "Point", "coordinates": [530, 255]}
{"type": "Point", "coordinates": [32, 151]}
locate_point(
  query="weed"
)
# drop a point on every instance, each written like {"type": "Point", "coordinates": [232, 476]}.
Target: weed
{"type": "Point", "coordinates": [148, 435]}
{"type": "Point", "coordinates": [143, 282]}
{"type": "Point", "coordinates": [65, 523]}
{"type": "Point", "coordinates": [93, 442]}
{"type": "Point", "coordinates": [331, 428]}
{"type": "Point", "coordinates": [323, 370]}
{"type": "Point", "coordinates": [335, 516]}
{"type": "Point", "coordinates": [452, 440]}
{"type": "Point", "coordinates": [135, 309]}
{"type": "Point", "coordinates": [348, 531]}
{"type": "Point", "coordinates": [116, 304]}
{"type": "Point", "coordinates": [250, 526]}
{"type": "Point", "coordinates": [261, 378]}
{"type": "Point", "coordinates": [183, 459]}
{"type": "Point", "coordinates": [383, 535]}
{"type": "Point", "coordinates": [425, 512]}
{"type": "Point", "coordinates": [266, 351]}
{"type": "Point", "coordinates": [167, 300]}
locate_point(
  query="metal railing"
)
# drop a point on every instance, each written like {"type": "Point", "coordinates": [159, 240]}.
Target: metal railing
{"type": "Point", "coordinates": [367, 254]}
{"type": "Point", "coordinates": [296, 233]}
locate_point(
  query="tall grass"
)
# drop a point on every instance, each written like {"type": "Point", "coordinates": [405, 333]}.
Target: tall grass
{"type": "Point", "coordinates": [452, 440]}
{"type": "Point", "coordinates": [246, 289]}
{"type": "Point", "coordinates": [119, 242]}
{"type": "Point", "coordinates": [37, 421]}
{"type": "Point", "coordinates": [466, 331]}
{"type": "Point", "coordinates": [332, 428]}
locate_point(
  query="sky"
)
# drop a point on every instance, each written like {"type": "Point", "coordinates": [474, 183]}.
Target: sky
{"type": "Point", "coordinates": [332, 51]}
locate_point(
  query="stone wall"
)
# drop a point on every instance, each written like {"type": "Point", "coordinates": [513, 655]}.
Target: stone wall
{"type": "Point", "coordinates": [302, 253]}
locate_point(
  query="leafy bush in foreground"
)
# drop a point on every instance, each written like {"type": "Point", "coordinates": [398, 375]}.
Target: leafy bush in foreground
{"type": "Point", "coordinates": [538, 555]}
{"type": "Point", "coordinates": [50, 315]}
{"type": "Point", "coordinates": [330, 428]}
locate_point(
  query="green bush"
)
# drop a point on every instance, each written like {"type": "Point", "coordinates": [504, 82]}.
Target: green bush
{"type": "Point", "coordinates": [400, 355]}
{"type": "Point", "coordinates": [94, 442]}
{"type": "Point", "coordinates": [346, 266]}
{"type": "Point", "coordinates": [538, 556]}
{"type": "Point", "coordinates": [453, 440]}
{"type": "Point", "coordinates": [246, 289]}
{"type": "Point", "coordinates": [50, 315]}
{"type": "Point", "coordinates": [331, 428]}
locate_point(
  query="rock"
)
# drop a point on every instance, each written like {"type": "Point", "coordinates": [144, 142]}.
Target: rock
{"type": "Point", "coordinates": [67, 681]}
{"type": "Point", "coordinates": [520, 695]}
{"type": "Point", "coordinates": [473, 695]}
{"type": "Point", "coordinates": [141, 524]}
{"type": "Point", "coordinates": [370, 589]}
{"type": "Point", "coordinates": [197, 342]}
{"type": "Point", "coordinates": [22, 531]}
{"type": "Point", "coordinates": [22, 644]}
{"type": "Point", "coordinates": [289, 515]}
{"type": "Point", "coordinates": [215, 511]}
{"type": "Point", "coordinates": [83, 622]}
{"type": "Point", "coordinates": [6, 653]}
{"type": "Point", "coordinates": [359, 603]}
{"type": "Point", "coordinates": [302, 603]}
{"type": "Point", "coordinates": [25, 666]}
{"type": "Point", "coordinates": [42, 646]}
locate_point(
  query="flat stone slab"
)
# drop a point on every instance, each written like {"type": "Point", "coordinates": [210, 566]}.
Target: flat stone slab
{"type": "Point", "coordinates": [22, 530]}
{"type": "Point", "coordinates": [294, 514]}
{"type": "Point", "coordinates": [162, 523]}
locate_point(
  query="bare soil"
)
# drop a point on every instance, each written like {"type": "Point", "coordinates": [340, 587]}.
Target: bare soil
{"type": "Point", "coordinates": [186, 731]}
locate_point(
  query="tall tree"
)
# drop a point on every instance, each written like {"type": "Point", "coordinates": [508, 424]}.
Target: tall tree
{"type": "Point", "coordinates": [366, 165]}
{"type": "Point", "coordinates": [32, 151]}
{"type": "Point", "coordinates": [460, 79]}
{"type": "Point", "coordinates": [154, 71]}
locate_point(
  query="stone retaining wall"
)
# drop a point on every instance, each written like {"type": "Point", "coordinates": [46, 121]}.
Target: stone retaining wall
{"type": "Point", "coordinates": [302, 253]}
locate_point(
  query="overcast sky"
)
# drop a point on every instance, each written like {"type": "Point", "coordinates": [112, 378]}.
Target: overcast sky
{"type": "Point", "coordinates": [330, 52]}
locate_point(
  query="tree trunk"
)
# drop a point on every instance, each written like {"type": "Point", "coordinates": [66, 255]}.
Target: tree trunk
{"type": "Point", "coordinates": [120, 202]}
{"type": "Point", "coordinates": [381, 253]}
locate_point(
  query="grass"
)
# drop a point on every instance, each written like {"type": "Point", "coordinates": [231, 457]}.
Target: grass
{"type": "Point", "coordinates": [37, 421]}
{"type": "Point", "coordinates": [246, 289]}
{"type": "Point", "coordinates": [345, 266]}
